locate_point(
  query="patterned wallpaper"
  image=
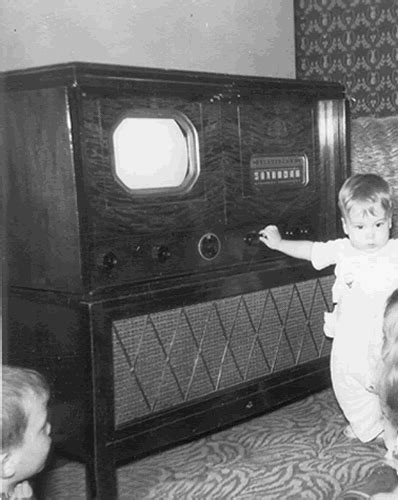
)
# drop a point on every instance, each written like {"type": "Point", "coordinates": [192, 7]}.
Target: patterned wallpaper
{"type": "Point", "coordinates": [353, 42]}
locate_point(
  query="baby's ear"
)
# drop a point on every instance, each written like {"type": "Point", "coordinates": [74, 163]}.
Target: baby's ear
{"type": "Point", "coordinates": [7, 465]}
{"type": "Point", "coordinates": [344, 225]}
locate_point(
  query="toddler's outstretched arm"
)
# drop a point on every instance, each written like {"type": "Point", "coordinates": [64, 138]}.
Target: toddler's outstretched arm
{"type": "Point", "coordinates": [300, 249]}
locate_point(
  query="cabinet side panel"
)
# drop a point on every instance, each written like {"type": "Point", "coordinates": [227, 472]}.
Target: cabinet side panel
{"type": "Point", "coordinates": [43, 230]}
{"type": "Point", "coordinates": [52, 337]}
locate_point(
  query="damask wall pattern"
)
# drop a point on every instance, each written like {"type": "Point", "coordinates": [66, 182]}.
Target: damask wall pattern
{"type": "Point", "coordinates": [353, 42]}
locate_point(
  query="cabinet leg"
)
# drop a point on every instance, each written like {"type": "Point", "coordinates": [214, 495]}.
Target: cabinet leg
{"type": "Point", "coordinates": [101, 480]}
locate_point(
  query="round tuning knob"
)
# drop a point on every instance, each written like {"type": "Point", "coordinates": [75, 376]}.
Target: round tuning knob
{"type": "Point", "coordinates": [161, 253]}
{"type": "Point", "coordinates": [209, 246]}
{"type": "Point", "coordinates": [109, 260]}
{"type": "Point", "coordinates": [251, 238]}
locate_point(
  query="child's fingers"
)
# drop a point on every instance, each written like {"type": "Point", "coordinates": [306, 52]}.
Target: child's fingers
{"type": "Point", "coordinates": [268, 231]}
{"type": "Point", "coordinates": [22, 490]}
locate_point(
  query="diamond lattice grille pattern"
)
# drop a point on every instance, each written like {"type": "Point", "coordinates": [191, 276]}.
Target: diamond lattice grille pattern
{"type": "Point", "coordinates": [171, 357]}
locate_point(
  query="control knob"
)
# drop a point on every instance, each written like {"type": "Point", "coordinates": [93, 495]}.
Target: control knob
{"type": "Point", "coordinates": [109, 261]}
{"type": "Point", "coordinates": [161, 253]}
{"type": "Point", "coordinates": [297, 233]}
{"type": "Point", "coordinates": [251, 238]}
{"type": "Point", "coordinates": [209, 246]}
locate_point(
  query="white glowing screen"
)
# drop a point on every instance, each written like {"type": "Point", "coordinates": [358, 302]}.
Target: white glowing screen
{"type": "Point", "coordinates": [150, 153]}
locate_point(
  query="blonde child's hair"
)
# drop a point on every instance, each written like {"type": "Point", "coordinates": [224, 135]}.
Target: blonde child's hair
{"type": "Point", "coordinates": [18, 385]}
{"type": "Point", "coordinates": [368, 190]}
{"type": "Point", "coordinates": [388, 384]}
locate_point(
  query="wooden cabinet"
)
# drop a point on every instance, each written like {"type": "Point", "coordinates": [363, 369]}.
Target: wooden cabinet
{"type": "Point", "coordinates": [155, 314]}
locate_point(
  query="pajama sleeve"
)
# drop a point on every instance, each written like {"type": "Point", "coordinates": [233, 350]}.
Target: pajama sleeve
{"type": "Point", "coordinates": [326, 254]}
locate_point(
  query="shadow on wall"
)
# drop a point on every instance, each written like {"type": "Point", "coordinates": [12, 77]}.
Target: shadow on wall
{"type": "Point", "coordinates": [374, 148]}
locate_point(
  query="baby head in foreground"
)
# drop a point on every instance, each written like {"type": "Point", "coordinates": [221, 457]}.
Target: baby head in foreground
{"type": "Point", "coordinates": [388, 388]}
{"type": "Point", "coordinates": [388, 376]}
{"type": "Point", "coordinates": [25, 430]}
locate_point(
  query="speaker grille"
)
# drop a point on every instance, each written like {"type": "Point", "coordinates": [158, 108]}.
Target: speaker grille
{"type": "Point", "coordinates": [167, 358]}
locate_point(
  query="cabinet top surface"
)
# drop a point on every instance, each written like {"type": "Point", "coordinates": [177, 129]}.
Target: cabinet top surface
{"type": "Point", "coordinates": [96, 74]}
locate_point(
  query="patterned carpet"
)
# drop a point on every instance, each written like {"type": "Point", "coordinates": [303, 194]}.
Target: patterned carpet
{"type": "Point", "coordinates": [296, 452]}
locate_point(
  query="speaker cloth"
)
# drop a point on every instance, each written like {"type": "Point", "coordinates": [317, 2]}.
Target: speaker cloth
{"type": "Point", "coordinates": [168, 358]}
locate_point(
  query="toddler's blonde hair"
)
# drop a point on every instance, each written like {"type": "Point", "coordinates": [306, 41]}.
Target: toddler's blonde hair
{"type": "Point", "coordinates": [368, 190]}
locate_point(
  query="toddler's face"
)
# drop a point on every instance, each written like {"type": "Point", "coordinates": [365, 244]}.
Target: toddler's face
{"type": "Point", "coordinates": [32, 454]}
{"type": "Point", "coordinates": [367, 232]}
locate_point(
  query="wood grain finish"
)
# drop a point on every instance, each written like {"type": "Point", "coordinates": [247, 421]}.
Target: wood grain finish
{"type": "Point", "coordinates": [224, 201]}
{"type": "Point", "coordinates": [74, 228]}
{"type": "Point", "coordinates": [114, 211]}
{"type": "Point", "coordinates": [42, 216]}
{"type": "Point", "coordinates": [67, 213]}
{"type": "Point", "coordinates": [51, 336]}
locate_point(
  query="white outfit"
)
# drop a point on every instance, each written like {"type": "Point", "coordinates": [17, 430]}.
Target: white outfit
{"type": "Point", "coordinates": [364, 281]}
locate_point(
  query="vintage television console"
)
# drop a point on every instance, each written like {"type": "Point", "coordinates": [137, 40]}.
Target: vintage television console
{"type": "Point", "coordinates": [137, 282]}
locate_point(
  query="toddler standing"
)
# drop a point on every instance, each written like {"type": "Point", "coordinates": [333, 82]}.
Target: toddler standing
{"type": "Point", "coordinates": [24, 428]}
{"type": "Point", "coordinates": [366, 273]}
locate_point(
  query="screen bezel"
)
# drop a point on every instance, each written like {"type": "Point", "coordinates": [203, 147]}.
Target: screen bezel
{"type": "Point", "coordinates": [193, 150]}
